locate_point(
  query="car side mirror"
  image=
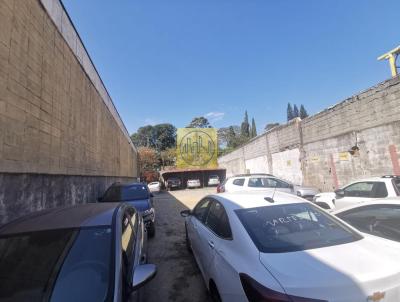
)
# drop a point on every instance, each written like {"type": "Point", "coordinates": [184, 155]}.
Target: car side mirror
{"type": "Point", "coordinates": [143, 274]}
{"type": "Point", "coordinates": [100, 199]}
{"type": "Point", "coordinates": [186, 213]}
{"type": "Point", "coordinates": [339, 193]}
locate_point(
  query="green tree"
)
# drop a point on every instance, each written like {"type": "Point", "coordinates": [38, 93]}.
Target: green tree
{"type": "Point", "coordinates": [303, 112]}
{"type": "Point", "coordinates": [253, 128]}
{"type": "Point", "coordinates": [295, 111]}
{"type": "Point", "coordinates": [289, 112]}
{"type": "Point", "coordinates": [245, 127]}
{"type": "Point", "coordinates": [144, 137]}
{"type": "Point", "coordinates": [164, 136]}
{"type": "Point", "coordinates": [199, 122]}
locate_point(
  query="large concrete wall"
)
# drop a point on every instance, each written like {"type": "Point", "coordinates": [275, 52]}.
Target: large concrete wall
{"type": "Point", "coordinates": [61, 138]}
{"type": "Point", "coordinates": [315, 151]}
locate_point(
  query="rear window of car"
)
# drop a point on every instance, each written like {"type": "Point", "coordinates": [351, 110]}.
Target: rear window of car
{"type": "Point", "coordinates": [396, 185]}
{"type": "Point", "coordinates": [125, 193]}
{"type": "Point", "coordinates": [238, 182]}
{"type": "Point", "coordinates": [293, 227]}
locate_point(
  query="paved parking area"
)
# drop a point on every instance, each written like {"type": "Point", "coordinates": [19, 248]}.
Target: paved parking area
{"type": "Point", "coordinates": [178, 278]}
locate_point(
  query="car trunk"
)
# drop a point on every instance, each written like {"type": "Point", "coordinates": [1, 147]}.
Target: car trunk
{"type": "Point", "coordinates": [347, 272]}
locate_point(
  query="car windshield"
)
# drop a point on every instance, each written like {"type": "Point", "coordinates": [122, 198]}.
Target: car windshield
{"type": "Point", "coordinates": [293, 227]}
{"type": "Point", "coordinates": [56, 265]}
{"type": "Point", "coordinates": [125, 193]}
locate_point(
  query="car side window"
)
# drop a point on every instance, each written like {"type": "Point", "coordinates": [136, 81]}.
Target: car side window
{"type": "Point", "coordinates": [200, 210]}
{"type": "Point", "coordinates": [359, 189]}
{"type": "Point", "coordinates": [396, 185]}
{"type": "Point", "coordinates": [217, 221]}
{"type": "Point", "coordinates": [238, 182]}
{"type": "Point", "coordinates": [380, 220]}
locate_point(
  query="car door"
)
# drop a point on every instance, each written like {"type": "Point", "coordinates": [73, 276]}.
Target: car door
{"type": "Point", "coordinates": [361, 192]}
{"type": "Point", "coordinates": [193, 222]}
{"type": "Point", "coordinates": [212, 236]}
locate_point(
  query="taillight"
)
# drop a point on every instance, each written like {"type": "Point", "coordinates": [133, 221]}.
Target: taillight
{"type": "Point", "coordinates": [220, 189]}
{"type": "Point", "coordinates": [255, 292]}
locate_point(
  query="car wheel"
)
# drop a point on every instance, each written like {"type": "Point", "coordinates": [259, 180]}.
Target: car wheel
{"type": "Point", "coordinates": [188, 245]}
{"type": "Point", "coordinates": [215, 297]}
{"type": "Point", "coordinates": [151, 230]}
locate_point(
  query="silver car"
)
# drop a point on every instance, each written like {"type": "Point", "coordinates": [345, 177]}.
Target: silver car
{"type": "Point", "coordinates": [257, 182]}
{"type": "Point", "coordinates": [91, 252]}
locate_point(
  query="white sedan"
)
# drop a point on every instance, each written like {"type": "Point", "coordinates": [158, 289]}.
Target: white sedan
{"type": "Point", "coordinates": [258, 247]}
{"type": "Point", "coordinates": [154, 186]}
{"type": "Point", "coordinates": [379, 217]}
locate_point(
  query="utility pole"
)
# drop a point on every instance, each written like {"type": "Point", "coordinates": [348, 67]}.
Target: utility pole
{"type": "Point", "coordinates": [392, 57]}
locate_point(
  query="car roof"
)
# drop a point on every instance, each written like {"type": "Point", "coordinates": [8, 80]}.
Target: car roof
{"type": "Point", "coordinates": [382, 201]}
{"type": "Point", "coordinates": [84, 215]}
{"type": "Point", "coordinates": [127, 184]}
{"type": "Point", "coordinates": [373, 178]}
{"type": "Point", "coordinates": [245, 200]}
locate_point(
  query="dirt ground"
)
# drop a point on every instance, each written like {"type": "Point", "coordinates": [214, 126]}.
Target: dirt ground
{"type": "Point", "coordinates": [178, 278]}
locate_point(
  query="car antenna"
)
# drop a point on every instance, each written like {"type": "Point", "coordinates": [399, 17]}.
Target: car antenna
{"type": "Point", "coordinates": [271, 199]}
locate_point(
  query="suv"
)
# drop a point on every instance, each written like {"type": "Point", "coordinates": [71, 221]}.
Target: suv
{"type": "Point", "coordinates": [137, 195]}
{"type": "Point", "coordinates": [259, 182]}
{"type": "Point", "coordinates": [173, 183]}
{"type": "Point", "coordinates": [360, 191]}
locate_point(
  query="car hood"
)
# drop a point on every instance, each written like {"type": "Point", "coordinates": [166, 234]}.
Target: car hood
{"type": "Point", "coordinates": [342, 273]}
{"type": "Point", "coordinates": [140, 205]}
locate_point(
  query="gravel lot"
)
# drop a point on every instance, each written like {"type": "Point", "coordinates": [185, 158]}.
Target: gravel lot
{"type": "Point", "coordinates": [178, 278]}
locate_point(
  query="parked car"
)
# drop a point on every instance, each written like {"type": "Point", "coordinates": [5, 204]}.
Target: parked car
{"type": "Point", "coordinates": [213, 180]}
{"type": "Point", "coordinates": [137, 195]}
{"type": "Point", "coordinates": [173, 183]}
{"type": "Point", "coordinates": [378, 217]}
{"type": "Point", "coordinates": [91, 252]}
{"type": "Point", "coordinates": [260, 182]}
{"type": "Point", "coordinates": [359, 191]}
{"type": "Point", "coordinates": [154, 186]}
{"type": "Point", "coordinates": [193, 183]}
{"type": "Point", "coordinates": [259, 247]}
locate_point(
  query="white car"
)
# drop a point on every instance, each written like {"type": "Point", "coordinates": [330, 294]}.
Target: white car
{"type": "Point", "coordinates": [193, 183]}
{"type": "Point", "coordinates": [258, 247]}
{"type": "Point", "coordinates": [261, 182]}
{"type": "Point", "coordinates": [213, 180]}
{"type": "Point", "coordinates": [359, 191]}
{"type": "Point", "coordinates": [154, 186]}
{"type": "Point", "coordinates": [378, 217]}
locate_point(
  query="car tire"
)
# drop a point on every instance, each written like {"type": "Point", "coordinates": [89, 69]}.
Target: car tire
{"type": "Point", "coordinates": [151, 230]}
{"type": "Point", "coordinates": [188, 244]}
{"type": "Point", "coordinates": [215, 297]}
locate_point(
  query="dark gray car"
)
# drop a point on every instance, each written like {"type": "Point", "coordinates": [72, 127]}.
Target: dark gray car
{"type": "Point", "coordinates": [92, 252]}
{"type": "Point", "coordinates": [138, 196]}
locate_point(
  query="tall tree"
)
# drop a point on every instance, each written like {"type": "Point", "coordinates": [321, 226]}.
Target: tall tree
{"type": "Point", "coordinates": [303, 112]}
{"type": "Point", "coordinates": [199, 122]}
{"type": "Point", "coordinates": [253, 128]}
{"type": "Point", "coordinates": [164, 136]}
{"type": "Point", "coordinates": [245, 127]}
{"type": "Point", "coordinates": [289, 111]}
{"type": "Point", "coordinates": [144, 137]}
{"type": "Point", "coordinates": [295, 111]}
{"type": "Point", "coordinates": [147, 158]}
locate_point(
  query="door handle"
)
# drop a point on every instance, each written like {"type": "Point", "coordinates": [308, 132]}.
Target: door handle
{"type": "Point", "coordinates": [211, 244]}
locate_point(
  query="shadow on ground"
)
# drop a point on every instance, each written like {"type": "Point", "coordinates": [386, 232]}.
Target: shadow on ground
{"type": "Point", "coordinates": [178, 277]}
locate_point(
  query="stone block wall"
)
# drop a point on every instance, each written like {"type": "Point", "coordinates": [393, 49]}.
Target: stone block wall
{"type": "Point", "coordinates": [315, 151]}
{"type": "Point", "coordinates": [57, 121]}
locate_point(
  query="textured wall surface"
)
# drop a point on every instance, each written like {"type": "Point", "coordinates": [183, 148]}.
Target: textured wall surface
{"type": "Point", "coordinates": [315, 151]}
{"type": "Point", "coordinates": [56, 117]}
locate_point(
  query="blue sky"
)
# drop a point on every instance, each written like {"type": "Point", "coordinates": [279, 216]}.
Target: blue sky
{"type": "Point", "coordinates": [169, 61]}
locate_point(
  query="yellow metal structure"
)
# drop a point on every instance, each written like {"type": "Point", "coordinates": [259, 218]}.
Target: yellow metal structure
{"type": "Point", "coordinates": [392, 57]}
{"type": "Point", "coordinates": [196, 148]}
